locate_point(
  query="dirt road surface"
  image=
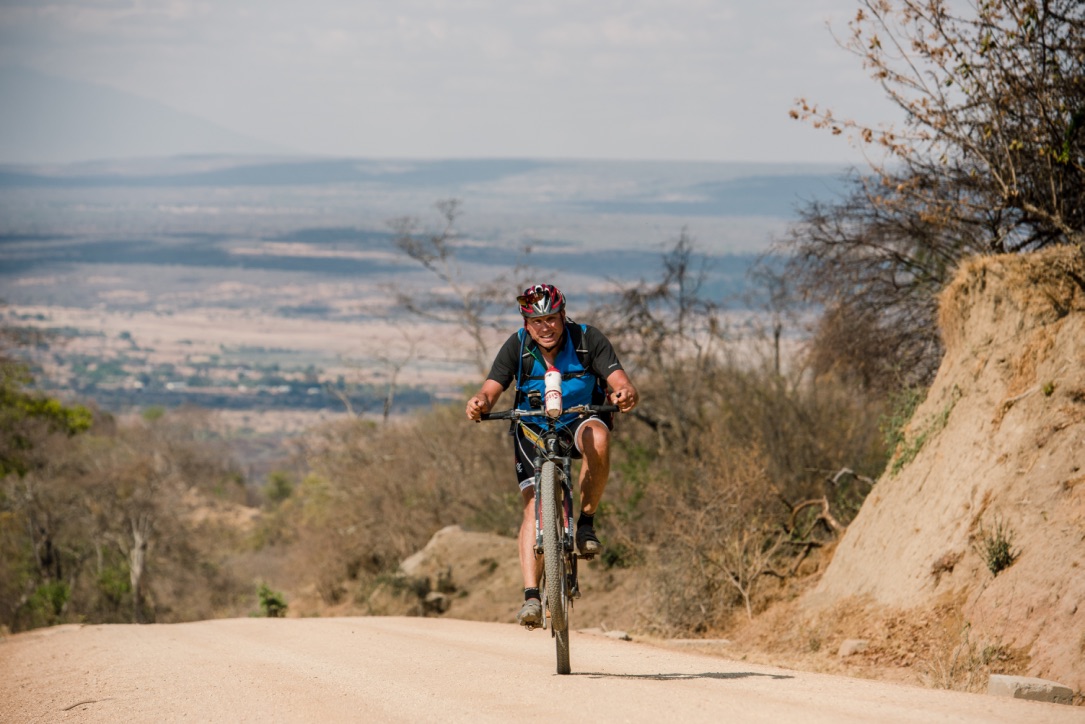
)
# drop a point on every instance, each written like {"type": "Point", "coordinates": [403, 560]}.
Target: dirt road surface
{"type": "Point", "coordinates": [420, 669]}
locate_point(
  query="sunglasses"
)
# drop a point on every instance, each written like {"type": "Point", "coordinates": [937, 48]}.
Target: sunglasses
{"type": "Point", "coordinates": [526, 300]}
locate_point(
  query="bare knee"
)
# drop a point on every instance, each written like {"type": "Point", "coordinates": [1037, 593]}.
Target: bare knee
{"type": "Point", "coordinates": [594, 440]}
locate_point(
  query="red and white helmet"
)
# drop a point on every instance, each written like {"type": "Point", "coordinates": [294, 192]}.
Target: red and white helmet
{"type": "Point", "coordinates": [540, 300]}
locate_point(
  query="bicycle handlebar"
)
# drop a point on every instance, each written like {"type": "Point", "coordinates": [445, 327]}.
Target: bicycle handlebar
{"type": "Point", "coordinates": [515, 414]}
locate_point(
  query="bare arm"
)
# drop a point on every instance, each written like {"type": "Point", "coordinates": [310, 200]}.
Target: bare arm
{"type": "Point", "coordinates": [622, 392]}
{"type": "Point", "coordinates": [483, 400]}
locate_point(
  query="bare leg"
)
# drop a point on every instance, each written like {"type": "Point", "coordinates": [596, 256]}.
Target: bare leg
{"type": "Point", "coordinates": [529, 562]}
{"type": "Point", "coordinates": [594, 443]}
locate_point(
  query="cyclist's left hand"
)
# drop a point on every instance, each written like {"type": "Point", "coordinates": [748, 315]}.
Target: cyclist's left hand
{"type": "Point", "coordinates": [625, 397]}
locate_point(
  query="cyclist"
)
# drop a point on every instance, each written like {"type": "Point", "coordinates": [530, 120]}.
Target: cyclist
{"type": "Point", "coordinates": [591, 373]}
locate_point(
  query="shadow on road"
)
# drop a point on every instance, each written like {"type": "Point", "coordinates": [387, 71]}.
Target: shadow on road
{"type": "Point", "coordinates": [679, 677]}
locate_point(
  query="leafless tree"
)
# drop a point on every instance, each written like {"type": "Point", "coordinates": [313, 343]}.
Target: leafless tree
{"type": "Point", "coordinates": [670, 332]}
{"type": "Point", "coordinates": [395, 365]}
{"type": "Point", "coordinates": [990, 159]}
{"type": "Point", "coordinates": [380, 364]}
{"type": "Point", "coordinates": [460, 299]}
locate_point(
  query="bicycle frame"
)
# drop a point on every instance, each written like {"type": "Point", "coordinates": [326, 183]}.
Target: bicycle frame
{"type": "Point", "coordinates": [553, 526]}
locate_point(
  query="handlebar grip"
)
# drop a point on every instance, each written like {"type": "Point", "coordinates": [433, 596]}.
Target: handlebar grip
{"type": "Point", "coordinates": [605, 408]}
{"type": "Point", "coordinates": [502, 415]}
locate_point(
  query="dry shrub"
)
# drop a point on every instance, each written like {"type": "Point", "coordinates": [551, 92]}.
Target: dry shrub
{"type": "Point", "coordinates": [124, 516]}
{"type": "Point", "coordinates": [807, 428]}
{"type": "Point", "coordinates": [767, 470]}
{"type": "Point", "coordinates": [720, 542]}
{"type": "Point", "coordinates": [852, 341]}
{"type": "Point", "coordinates": [716, 488]}
{"type": "Point", "coordinates": [956, 658]}
{"type": "Point", "coordinates": [1045, 285]}
{"type": "Point", "coordinates": [377, 494]}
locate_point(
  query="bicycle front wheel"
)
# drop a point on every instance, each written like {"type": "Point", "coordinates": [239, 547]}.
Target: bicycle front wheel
{"type": "Point", "coordinates": [554, 563]}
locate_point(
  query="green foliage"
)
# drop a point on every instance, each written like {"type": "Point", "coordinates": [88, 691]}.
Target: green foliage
{"type": "Point", "coordinates": [848, 491]}
{"type": "Point", "coordinates": [46, 605]}
{"type": "Point", "coordinates": [279, 486]}
{"type": "Point", "coordinates": [27, 418]}
{"type": "Point", "coordinates": [153, 413]}
{"type": "Point", "coordinates": [272, 603]}
{"type": "Point", "coordinates": [620, 555]}
{"type": "Point", "coordinates": [996, 547]}
{"type": "Point", "coordinates": [635, 471]}
{"type": "Point", "coordinates": [232, 484]}
{"type": "Point", "coordinates": [902, 406]}
{"type": "Point", "coordinates": [115, 585]}
{"type": "Point", "coordinates": [106, 512]}
{"type": "Point", "coordinates": [908, 449]}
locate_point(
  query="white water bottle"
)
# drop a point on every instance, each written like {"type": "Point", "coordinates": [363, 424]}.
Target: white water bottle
{"type": "Point", "coordinates": [552, 397]}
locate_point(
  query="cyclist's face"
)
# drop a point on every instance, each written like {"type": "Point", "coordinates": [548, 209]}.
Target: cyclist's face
{"type": "Point", "coordinates": [546, 331]}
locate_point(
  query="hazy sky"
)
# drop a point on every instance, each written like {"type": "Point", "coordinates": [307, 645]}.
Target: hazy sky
{"type": "Point", "coordinates": [628, 79]}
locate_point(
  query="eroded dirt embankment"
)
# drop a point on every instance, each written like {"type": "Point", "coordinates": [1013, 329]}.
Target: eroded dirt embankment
{"type": "Point", "coordinates": [996, 452]}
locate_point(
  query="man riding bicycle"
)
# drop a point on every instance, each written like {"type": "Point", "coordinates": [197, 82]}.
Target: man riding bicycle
{"type": "Point", "coordinates": [590, 370]}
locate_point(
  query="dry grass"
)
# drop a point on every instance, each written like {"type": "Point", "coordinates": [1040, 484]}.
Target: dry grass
{"type": "Point", "coordinates": [933, 646]}
{"type": "Point", "coordinates": [1045, 285]}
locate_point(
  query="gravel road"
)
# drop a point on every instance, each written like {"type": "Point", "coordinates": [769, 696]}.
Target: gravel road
{"type": "Point", "coordinates": [420, 669]}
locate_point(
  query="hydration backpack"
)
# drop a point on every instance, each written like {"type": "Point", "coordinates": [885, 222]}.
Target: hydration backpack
{"type": "Point", "coordinates": [577, 334]}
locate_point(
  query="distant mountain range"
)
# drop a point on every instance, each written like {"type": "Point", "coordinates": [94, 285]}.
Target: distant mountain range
{"type": "Point", "coordinates": [682, 189]}
{"type": "Point", "coordinates": [59, 133]}
{"type": "Point", "coordinates": [47, 119]}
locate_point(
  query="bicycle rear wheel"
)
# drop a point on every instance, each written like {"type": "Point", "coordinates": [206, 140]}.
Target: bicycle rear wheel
{"type": "Point", "coordinates": [554, 564]}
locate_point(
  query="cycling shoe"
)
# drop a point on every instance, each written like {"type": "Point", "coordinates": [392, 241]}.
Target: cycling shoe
{"type": "Point", "coordinates": [587, 543]}
{"type": "Point", "coordinates": [530, 614]}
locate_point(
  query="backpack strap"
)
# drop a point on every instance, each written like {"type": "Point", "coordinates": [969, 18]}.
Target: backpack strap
{"type": "Point", "coordinates": [520, 368]}
{"type": "Point", "coordinates": [576, 336]}
{"type": "Point", "coordinates": [520, 364]}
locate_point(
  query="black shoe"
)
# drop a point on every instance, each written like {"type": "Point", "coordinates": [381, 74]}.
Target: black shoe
{"type": "Point", "coordinates": [586, 542]}
{"type": "Point", "coordinates": [530, 613]}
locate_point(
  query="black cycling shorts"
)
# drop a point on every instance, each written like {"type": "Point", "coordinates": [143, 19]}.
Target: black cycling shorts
{"type": "Point", "coordinates": [526, 453]}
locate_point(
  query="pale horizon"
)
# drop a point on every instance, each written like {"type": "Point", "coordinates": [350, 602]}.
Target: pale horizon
{"type": "Point", "coordinates": [691, 80]}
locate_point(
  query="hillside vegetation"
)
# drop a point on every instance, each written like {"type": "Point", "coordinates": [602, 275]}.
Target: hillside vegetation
{"type": "Point", "coordinates": [734, 470]}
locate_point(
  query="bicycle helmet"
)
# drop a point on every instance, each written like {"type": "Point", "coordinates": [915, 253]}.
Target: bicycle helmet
{"type": "Point", "coordinates": [540, 300]}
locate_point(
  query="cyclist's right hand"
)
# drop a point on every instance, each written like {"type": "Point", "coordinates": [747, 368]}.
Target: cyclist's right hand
{"type": "Point", "coordinates": [476, 406]}
{"type": "Point", "coordinates": [483, 400]}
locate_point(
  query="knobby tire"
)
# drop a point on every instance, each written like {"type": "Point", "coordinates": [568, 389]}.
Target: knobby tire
{"type": "Point", "coordinates": [554, 564]}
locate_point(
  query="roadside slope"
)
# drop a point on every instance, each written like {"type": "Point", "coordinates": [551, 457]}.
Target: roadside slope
{"type": "Point", "coordinates": [998, 446]}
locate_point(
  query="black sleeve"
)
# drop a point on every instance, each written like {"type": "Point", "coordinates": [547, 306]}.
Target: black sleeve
{"type": "Point", "coordinates": [506, 363]}
{"type": "Point", "coordinates": [604, 360]}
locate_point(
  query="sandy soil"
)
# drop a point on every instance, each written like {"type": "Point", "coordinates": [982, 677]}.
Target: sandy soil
{"type": "Point", "coordinates": [421, 669]}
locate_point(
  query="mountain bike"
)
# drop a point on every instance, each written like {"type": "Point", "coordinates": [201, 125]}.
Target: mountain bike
{"type": "Point", "coordinates": [554, 527]}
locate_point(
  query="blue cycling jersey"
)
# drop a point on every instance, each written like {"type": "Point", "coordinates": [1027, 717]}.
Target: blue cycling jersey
{"type": "Point", "coordinates": [577, 383]}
